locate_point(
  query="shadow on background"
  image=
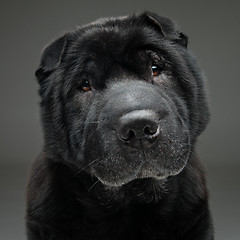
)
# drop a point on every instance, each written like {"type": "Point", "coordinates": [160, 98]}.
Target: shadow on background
{"type": "Point", "coordinates": [26, 27]}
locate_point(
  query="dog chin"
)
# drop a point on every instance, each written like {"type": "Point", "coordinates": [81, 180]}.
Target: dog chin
{"type": "Point", "coordinates": [146, 172]}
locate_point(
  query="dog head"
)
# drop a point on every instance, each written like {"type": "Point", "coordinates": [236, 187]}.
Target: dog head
{"type": "Point", "coordinates": [122, 98]}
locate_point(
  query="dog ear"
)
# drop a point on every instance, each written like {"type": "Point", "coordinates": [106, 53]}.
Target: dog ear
{"type": "Point", "coordinates": [51, 58]}
{"type": "Point", "coordinates": [167, 28]}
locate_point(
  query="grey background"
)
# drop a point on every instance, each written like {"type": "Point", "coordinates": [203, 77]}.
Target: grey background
{"type": "Point", "coordinates": [27, 26]}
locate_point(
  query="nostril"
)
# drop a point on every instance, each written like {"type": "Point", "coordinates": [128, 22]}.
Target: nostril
{"type": "Point", "coordinates": [149, 131]}
{"type": "Point", "coordinates": [128, 136]}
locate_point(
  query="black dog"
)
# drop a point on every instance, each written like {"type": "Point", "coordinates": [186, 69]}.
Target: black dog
{"type": "Point", "coordinates": [123, 103]}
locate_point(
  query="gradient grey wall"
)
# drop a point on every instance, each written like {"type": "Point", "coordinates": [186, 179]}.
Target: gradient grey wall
{"type": "Point", "coordinates": [27, 26]}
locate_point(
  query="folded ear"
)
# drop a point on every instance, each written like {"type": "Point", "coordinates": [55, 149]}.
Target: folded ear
{"type": "Point", "coordinates": [51, 58]}
{"type": "Point", "coordinates": [167, 28]}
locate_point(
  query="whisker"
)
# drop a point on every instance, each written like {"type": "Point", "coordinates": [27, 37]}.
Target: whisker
{"type": "Point", "coordinates": [93, 185]}
{"type": "Point", "coordinates": [82, 169]}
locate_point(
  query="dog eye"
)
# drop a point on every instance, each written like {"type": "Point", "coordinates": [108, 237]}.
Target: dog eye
{"type": "Point", "coordinates": [156, 70]}
{"type": "Point", "coordinates": [85, 86]}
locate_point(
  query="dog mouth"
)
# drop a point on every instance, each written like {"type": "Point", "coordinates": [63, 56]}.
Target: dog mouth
{"type": "Point", "coordinates": [146, 171]}
{"type": "Point", "coordinates": [121, 165]}
{"type": "Point", "coordinates": [146, 168]}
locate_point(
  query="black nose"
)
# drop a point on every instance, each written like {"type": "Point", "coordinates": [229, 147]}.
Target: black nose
{"type": "Point", "coordinates": [139, 128]}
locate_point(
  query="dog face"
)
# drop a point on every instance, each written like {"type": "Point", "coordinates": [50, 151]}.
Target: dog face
{"type": "Point", "coordinates": [122, 99]}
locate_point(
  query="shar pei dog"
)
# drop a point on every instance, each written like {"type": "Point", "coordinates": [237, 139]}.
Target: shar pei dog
{"type": "Point", "coordinates": [123, 102]}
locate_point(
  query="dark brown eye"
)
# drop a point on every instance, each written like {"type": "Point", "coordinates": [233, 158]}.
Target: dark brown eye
{"type": "Point", "coordinates": [156, 70]}
{"type": "Point", "coordinates": [85, 87]}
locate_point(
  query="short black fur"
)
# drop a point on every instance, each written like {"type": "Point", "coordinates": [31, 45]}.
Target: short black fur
{"type": "Point", "coordinates": [123, 102]}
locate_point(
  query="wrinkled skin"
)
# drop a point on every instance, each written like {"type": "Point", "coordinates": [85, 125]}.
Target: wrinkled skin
{"type": "Point", "coordinates": [123, 102]}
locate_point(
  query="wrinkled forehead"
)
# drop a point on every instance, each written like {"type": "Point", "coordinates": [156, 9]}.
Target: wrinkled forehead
{"type": "Point", "coordinates": [115, 39]}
